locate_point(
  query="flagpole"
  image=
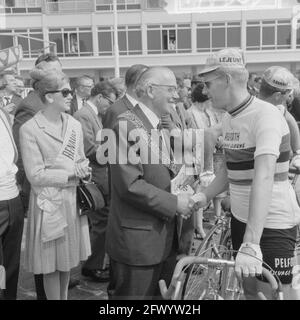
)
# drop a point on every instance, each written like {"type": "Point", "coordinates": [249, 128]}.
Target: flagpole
{"type": "Point", "coordinates": [116, 41]}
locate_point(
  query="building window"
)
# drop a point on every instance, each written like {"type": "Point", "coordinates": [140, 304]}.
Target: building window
{"type": "Point", "coordinates": [31, 41]}
{"type": "Point", "coordinates": [129, 37]}
{"type": "Point", "coordinates": [298, 35]}
{"type": "Point", "coordinates": [22, 6]}
{"type": "Point", "coordinates": [268, 35]}
{"type": "Point", "coordinates": [216, 36]}
{"type": "Point", "coordinates": [153, 4]}
{"type": "Point", "coordinates": [130, 40]}
{"type": "Point", "coordinates": [122, 5]}
{"type": "Point", "coordinates": [105, 41]}
{"type": "Point", "coordinates": [6, 39]}
{"type": "Point", "coordinates": [169, 38]}
{"type": "Point", "coordinates": [72, 41]}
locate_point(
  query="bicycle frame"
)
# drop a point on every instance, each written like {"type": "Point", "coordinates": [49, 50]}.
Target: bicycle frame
{"type": "Point", "coordinates": [173, 291]}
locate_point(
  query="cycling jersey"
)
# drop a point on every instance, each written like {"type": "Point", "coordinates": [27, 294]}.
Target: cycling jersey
{"type": "Point", "coordinates": [252, 129]}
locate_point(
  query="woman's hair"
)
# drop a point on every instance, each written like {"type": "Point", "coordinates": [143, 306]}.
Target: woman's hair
{"type": "Point", "coordinates": [197, 94]}
{"type": "Point", "coordinates": [46, 80]}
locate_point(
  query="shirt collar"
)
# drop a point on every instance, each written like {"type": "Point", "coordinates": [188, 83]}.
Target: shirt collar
{"type": "Point", "coordinates": [91, 104]}
{"type": "Point", "coordinates": [244, 105]}
{"type": "Point", "coordinates": [133, 101]}
{"type": "Point", "coordinates": [152, 117]}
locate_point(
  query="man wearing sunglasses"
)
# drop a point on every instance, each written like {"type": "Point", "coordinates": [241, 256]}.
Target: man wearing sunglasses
{"type": "Point", "coordinates": [103, 95]}
{"type": "Point", "coordinates": [257, 150]}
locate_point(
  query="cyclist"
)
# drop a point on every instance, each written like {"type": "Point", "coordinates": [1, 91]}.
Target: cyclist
{"type": "Point", "coordinates": [277, 84]}
{"type": "Point", "coordinates": [257, 149]}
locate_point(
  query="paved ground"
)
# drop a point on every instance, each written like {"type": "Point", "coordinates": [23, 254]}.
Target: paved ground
{"type": "Point", "coordinates": [86, 290]}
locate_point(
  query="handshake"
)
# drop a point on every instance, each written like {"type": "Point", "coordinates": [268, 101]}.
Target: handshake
{"type": "Point", "coordinates": [187, 204]}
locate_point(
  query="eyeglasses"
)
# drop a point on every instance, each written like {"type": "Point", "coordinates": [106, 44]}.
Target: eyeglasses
{"type": "Point", "coordinates": [171, 88]}
{"type": "Point", "coordinates": [86, 86]}
{"type": "Point", "coordinates": [64, 92]}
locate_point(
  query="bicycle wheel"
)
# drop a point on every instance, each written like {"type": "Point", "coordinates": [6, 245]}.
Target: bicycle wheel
{"type": "Point", "coordinates": [198, 276]}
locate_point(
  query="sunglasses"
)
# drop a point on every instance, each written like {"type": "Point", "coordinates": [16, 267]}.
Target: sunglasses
{"type": "Point", "coordinates": [64, 92]}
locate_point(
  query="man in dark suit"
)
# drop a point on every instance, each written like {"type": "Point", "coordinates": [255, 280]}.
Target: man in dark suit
{"type": "Point", "coordinates": [145, 219]}
{"type": "Point", "coordinates": [128, 101]}
{"type": "Point", "coordinates": [102, 96]}
{"type": "Point", "coordinates": [83, 87]}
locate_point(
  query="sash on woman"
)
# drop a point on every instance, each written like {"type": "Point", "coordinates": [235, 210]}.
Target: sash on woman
{"type": "Point", "coordinates": [50, 199]}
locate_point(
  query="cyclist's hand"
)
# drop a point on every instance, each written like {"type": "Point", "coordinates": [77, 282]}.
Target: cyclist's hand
{"type": "Point", "coordinates": [183, 205]}
{"type": "Point", "coordinates": [296, 161]}
{"type": "Point", "coordinates": [248, 261]}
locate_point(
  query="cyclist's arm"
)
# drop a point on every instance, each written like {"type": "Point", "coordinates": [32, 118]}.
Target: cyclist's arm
{"type": "Point", "coordinates": [219, 184]}
{"type": "Point", "coordinates": [260, 197]}
{"type": "Point", "coordinates": [294, 131]}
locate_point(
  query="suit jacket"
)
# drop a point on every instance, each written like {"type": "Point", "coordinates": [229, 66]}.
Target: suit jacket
{"type": "Point", "coordinates": [16, 100]}
{"type": "Point", "coordinates": [73, 106]}
{"type": "Point", "coordinates": [142, 224]}
{"type": "Point", "coordinates": [27, 108]}
{"type": "Point", "coordinates": [115, 110]}
{"type": "Point", "coordinates": [91, 124]}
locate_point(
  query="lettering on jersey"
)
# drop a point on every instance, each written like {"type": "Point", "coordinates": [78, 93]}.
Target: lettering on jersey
{"type": "Point", "coordinates": [232, 136]}
{"type": "Point", "coordinates": [232, 141]}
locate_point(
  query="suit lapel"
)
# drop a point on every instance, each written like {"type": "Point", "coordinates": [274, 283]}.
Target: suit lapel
{"type": "Point", "coordinates": [94, 115]}
{"type": "Point", "coordinates": [127, 103]}
{"type": "Point", "coordinates": [141, 115]}
{"type": "Point", "coordinates": [44, 125]}
{"type": "Point", "coordinates": [148, 126]}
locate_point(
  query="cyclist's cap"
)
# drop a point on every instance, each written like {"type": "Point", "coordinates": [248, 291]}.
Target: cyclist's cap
{"type": "Point", "coordinates": [279, 78]}
{"type": "Point", "coordinates": [223, 60]}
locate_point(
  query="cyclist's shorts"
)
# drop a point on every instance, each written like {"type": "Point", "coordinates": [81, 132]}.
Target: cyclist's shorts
{"type": "Point", "coordinates": [277, 246]}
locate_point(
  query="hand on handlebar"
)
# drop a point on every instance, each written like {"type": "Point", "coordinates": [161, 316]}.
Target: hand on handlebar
{"type": "Point", "coordinates": [248, 261]}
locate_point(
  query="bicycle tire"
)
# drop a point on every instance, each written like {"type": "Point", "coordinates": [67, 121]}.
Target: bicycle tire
{"type": "Point", "coordinates": [191, 289]}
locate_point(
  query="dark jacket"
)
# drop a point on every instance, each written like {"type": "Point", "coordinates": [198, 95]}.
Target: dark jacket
{"type": "Point", "coordinates": [142, 225]}
{"type": "Point", "coordinates": [26, 109]}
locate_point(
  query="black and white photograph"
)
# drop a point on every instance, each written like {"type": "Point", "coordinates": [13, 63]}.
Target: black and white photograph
{"type": "Point", "coordinates": [149, 152]}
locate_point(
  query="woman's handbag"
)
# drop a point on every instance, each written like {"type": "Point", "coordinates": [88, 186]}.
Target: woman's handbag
{"type": "Point", "coordinates": [89, 196]}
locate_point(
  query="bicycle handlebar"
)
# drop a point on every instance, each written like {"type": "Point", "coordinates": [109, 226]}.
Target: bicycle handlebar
{"type": "Point", "coordinates": [178, 275]}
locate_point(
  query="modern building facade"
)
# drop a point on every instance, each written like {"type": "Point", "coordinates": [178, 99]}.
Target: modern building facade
{"type": "Point", "coordinates": [175, 33]}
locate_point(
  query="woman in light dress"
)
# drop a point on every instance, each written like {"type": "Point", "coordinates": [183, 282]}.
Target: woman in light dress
{"type": "Point", "coordinates": [57, 236]}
